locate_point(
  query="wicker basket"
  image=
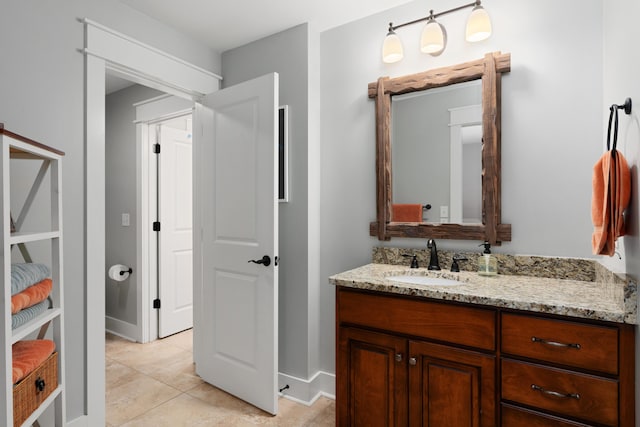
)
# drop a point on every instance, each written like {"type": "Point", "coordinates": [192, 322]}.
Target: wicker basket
{"type": "Point", "coordinates": [33, 389]}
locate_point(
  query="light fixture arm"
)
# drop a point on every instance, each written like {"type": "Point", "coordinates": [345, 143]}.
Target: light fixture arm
{"type": "Point", "coordinates": [434, 15]}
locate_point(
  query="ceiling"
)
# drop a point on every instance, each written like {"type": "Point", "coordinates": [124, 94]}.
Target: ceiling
{"type": "Point", "coordinates": [224, 25]}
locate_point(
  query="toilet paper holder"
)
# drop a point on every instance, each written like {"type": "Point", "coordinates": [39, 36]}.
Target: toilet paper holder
{"type": "Point", "coordinates": [119, 272]}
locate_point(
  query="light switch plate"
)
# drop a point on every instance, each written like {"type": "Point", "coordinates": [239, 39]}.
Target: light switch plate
{"type": "Point", "coordinates": [125, 220]}
{"type": "Point", "coordinates": [444, 211]}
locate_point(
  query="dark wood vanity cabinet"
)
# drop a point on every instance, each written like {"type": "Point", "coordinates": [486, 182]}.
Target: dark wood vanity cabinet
{"type": "Point", "coordinates": [450, 386]}
{"type": "Point", "coordinates": [396, 368]}
{"type": "Point", "coordinates": [566, 372]}
{"type": "Point", "coordinates": [408, 361]}
{"type": "Point", "coordinates": [374, 390]}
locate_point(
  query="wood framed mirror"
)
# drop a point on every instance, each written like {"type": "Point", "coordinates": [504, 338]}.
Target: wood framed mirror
{"type": "Point", "coordinates": [489, 70]}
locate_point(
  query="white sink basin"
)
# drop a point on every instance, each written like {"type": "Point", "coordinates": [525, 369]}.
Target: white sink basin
{"type": "Point", "coordinates": [425, 280]}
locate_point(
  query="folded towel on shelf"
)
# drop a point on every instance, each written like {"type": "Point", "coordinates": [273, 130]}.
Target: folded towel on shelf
{"type": "Point", "coordinates": [24, 275]}
{"type": "Point", "coordinates": [27, 355]}
{"type": "Point", "coordinates": [23, 316]}
{"type": "Point", "coordinates": [406, 213]}
{"type": "Point", "coordinates": [610, 197]}
{"type": "Point", "coordinates": [31, 296]}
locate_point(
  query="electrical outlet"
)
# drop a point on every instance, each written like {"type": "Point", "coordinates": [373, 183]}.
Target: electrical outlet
{"type": "Point", "coordinates": [125, 220]}
{"type": "Point", "coordinates": [444, 211]}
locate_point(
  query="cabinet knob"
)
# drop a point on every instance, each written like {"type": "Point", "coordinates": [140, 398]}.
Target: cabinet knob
{"type": "Point", "coordinates": [413, 361]}
{"type": "Point", "coordinates": [398, 357]}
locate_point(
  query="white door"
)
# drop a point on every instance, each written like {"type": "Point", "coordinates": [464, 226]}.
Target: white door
{"type": "Point", "coordinates": [176, 237]}
{"type": "Point", "coordinates": [236, 300]}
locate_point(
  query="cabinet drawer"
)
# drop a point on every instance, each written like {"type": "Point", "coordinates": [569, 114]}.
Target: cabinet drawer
{"type": "Point", "coordinates": [512, 417]}
{"type": "Point", "coordinates": [564, 342]}
{"type": "Point", "coordinates": [563, 392]}
{"type": "Point", "coordinates": [474, 327]}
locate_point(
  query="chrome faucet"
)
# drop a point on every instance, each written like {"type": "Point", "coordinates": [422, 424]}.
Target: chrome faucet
{"type": "Point", "coordinates": [433, 259]}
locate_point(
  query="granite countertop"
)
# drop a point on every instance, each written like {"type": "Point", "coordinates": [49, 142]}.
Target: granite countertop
{"type": "Point", "coordinates": [613, 301]}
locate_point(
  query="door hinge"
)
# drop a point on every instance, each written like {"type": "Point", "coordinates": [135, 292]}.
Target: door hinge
{"type": "Point", "coordinates": [156, 226]}
{"type": "Point", "coordinates": [156, 148]}
{"type": "Point", "coordinates": [156, 303]}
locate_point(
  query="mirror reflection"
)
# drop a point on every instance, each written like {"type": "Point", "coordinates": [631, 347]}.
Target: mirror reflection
{"type": "Point", "coordinates": [436, 144]}
{"type": "Point", "coordinates": [461, 217]}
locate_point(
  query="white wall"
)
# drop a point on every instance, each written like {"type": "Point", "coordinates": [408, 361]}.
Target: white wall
{"type": "Point", "coordinates": [121, 197]}
{"type": "Point", "coordinates": [552, 119]}
{"type": "Point", "coordinates": [42, 97]}
{"type": "Point", "coordinates": [621, 64]}
{"type": "Point", "coordinates": [287, 53]}
{"type": "Point", "coordinates": [621, 81]}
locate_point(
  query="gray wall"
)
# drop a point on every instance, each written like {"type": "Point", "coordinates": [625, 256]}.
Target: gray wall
{"type": "Point", "coordinates": [287, 53]}
{"type": "Point", "coordinates": [42, 97]}
{"type": "Point", "coordinates": [552, 120]}
{"type": "Point", "coordinates": [621, 65]}
{"type": "Point", "coordinates": [120, 197]}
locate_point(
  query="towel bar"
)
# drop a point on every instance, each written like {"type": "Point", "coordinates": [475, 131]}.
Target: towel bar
{"type": "Point", "coordinates": [626, 106]}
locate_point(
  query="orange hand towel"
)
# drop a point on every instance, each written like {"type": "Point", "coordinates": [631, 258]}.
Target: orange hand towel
{"type": "Point", "coordinates": [31, 296]}
{"type": "Point", "coordinates": [406, 213]}
{"type": "Point", "coordinates": [610, 197]}
{"type": "Point", "coordinates": [28, 355]}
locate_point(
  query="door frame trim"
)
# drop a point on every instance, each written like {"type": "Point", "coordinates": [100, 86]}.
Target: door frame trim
{"type": "Point", "coordinates": [149, 113]}
{"type": "Point", "coordinates": [109, 49]}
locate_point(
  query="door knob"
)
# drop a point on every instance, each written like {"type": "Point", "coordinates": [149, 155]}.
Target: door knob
{"type": "Point", "coordinates": [265, 260]}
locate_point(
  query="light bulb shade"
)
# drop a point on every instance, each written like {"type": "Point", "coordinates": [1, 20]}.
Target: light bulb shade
{"type": "Point", "coordinates": [433, 39]}
{"type": "Point", "coordinates": [392, 48]}
{"type": "Point", "coordinates": [478, 25]}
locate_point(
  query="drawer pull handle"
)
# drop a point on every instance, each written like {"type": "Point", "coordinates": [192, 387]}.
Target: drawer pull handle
{"type": "Point", "coordinates": [555, 343]}
{"type": "Point", "coordinates": [555, 393]}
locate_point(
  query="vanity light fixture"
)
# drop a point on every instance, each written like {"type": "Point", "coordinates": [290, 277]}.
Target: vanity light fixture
{"type": "Point", "coordinates": [434, 36]}
{"type": "Point", "coordinates": [392, 47]}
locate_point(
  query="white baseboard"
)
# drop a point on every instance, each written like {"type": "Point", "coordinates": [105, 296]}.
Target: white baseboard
{"type": "Point", "coordinates": [82, 421]}
{"type": "Point", "coordinates": [308, 391]}
{"type": "Point", "coordinates": [121, 328]}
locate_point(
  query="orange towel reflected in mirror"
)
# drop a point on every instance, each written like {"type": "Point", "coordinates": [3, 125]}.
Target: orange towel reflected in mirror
{"type": "Point", "coordinates": [406, 213]}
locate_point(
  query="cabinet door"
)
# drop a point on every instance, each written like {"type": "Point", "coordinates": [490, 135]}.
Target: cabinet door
{"type": "Point", "coordinates": [371, 379]}
{"type": "Point", "coordinates": [450, 387]}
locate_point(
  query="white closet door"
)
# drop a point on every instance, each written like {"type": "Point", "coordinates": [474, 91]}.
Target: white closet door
{"type": "Point", "coordinates": [176, 232]}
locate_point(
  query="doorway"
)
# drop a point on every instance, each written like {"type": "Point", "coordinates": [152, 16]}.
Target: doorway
{"type": "Point", "coordinates": [148, 188]}
{"type": "Point", "coordinates": [107, 49]}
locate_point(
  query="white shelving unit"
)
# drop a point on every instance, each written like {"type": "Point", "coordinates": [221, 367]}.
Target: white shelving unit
{"type": "Point", "coordinates": [13, 146]}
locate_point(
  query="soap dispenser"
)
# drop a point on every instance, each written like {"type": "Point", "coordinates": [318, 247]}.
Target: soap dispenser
{"type": "Point", "coordinates": [487, 263]}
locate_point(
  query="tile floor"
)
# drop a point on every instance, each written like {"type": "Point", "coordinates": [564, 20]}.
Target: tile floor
{"type": "Point", "coordinates": [155, 385]}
